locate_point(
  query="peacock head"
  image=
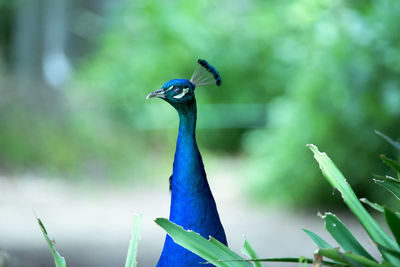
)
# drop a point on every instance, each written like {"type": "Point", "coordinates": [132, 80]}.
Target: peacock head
{"type": "Point", "coordinates": [181, 91]}
{"type": "Point", "coordinates": [175, 91]}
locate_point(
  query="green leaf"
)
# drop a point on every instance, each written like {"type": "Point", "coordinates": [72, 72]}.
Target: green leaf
{"type": "Point", "coordinates": [391, 163]}
{"type": "Point", "coordinates": [389, 140]}
{"type": "Point", "coordinates": [372, 205]}
{"type": "Point", "coordinates": [390, 184]}
{"type": "Point", "coordinates": [294, 260]}
{"type": "Point", "coordinates": [343, 236]}
{"type": "Point", "coordinates": [250, 252]}
{"type": "Point", "coordinates": [337, 180]}
{"type": "Point", "coordinates": [393, 221]}
{"type": "Point", "coordinates": [350, 258]}
{"type": "Point", "coordinates": [211, 250]}
{"type": "Point", "coordinates": [321, 243]}
{"type": "Point", "coordinates": [376, 206]}
{"type": "Point", "coordinates": [394, 253]}
{"type": "Point", "coordinates": [58, 259]}
{"type": "Point", "coordinates": [380, 177]}
{"type": "Point", "coordinates": [133, 244]}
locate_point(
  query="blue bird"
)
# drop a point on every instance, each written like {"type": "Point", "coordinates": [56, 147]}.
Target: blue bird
{"type": "Point", "coordinates": [192, 203]}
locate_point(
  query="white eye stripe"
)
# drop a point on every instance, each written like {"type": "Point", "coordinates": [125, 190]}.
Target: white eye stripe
{"type": "Point", "coordinates": [184, 92]}
{"type": "Point", "coordinates": [169, 88]}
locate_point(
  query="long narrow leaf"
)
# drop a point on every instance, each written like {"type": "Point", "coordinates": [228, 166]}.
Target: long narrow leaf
{"type": "Point", "coordinates": [343, 236]}
{"type": "Point", "coordinates": [389, 140]}
{"type": "Point", "coordinates": [211, 250]}
{"type": "Point", "coordinates": [372, 205]}
{"type": "Point", "coordinates": [133, 244]}
{"type": "Point", "coordinates": [380, 177]}
{"type": "Point", "coordinates": [394, 253]}
{"type": "Point", "coordinates": [337, 180]}
{"type": "Point", "coordinates": [248, 250]}
{"type": "Point", "coordinates": [390, 184]}
{"type": "Point", "coordinates": [321, 243]}
{"type": "Point", "coordinates": [376, 206]}
{"type": "Point", "coordinates": [393, 221]}
{"type": "Point", "coordinates": [350, 258]}
{"type": "Point", "coordinates": [58, 259]}
{"type": "Point", "coordinates": [224, 249]}
{"type": "Point", "coordinates": [333, 254]}
{"type": "Point", "coordinates": [293, 260]}
{"type": "Point", "coordinates": [391, 163]}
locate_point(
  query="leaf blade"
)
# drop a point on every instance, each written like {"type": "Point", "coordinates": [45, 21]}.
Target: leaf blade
{"type": "Point", "coordinates": [58, 259]}
{"type": "Point", "coordinates": [372, 205]}
{"type": "Point", "coordinates": [133, 244]}
{"type": "Point", "coordinates": [393, 221]}
{"type": "Point", "coordinates": [388, 139]}
{"type": "Point", "coordinates": [350, 258]}
{"type": "Point", "coordinates": [321, 243]}
{"type": "Point", "coordinates": [210, 250]}
{"type": "Point", "coordinates": [391, 163]}
{"type": "Point", "coordinates": [343, 236]}
{"type": "Point", "coordinates": [248, 250]}
{"type": "Point", "coordinates": [391, 185]}
{"type": "Point", "coordinates": [288, 259]}
{"type": "Point", "coordinates": [337, 180]}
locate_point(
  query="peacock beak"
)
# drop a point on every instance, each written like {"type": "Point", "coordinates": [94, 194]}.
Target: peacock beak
{"type": "Point", "coordinates": [156, 93]}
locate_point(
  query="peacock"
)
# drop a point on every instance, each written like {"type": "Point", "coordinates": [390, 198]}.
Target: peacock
{"type": "Point", "coordinates": [192, 203]}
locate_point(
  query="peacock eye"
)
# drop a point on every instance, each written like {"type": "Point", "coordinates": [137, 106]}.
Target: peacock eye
{"type": "Point", "coordinates": [182, 92]}
{"type": "Point", "coordinates": [177, 89]}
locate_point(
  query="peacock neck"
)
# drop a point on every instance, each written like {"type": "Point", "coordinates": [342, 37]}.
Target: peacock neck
{"type": "Point", "coordinates": [192, 204]}
{"type": "Point", "coordinates": [188, 171]}
{"type": "Point", "coordinates": [187, 123]}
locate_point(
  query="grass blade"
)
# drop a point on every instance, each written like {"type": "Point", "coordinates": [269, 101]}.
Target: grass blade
{"type": "Point", "coordinates": [250, 252]}
{"type": "Point", "coordinates": [321, 243]}
{"type": "Point", "coordinates": [293, 260]}
{"type": "Point", "coordinates": [380, 177]}
{"type": "Point", "coordinates": [343, 236]}
{"type": "Point", "coordinates": [210, 250]}
{"type": "Point", "coordinates": [393, 221]}
{"type": "Point", "coordinates": [391, 163]}
{"type": "Point", "coordinates": [389, 140]}
{"type": "Point", "coordinates": [376, 206]}
{"type": "Point", "coordinates": [390, 184]}
{"type": "Point", "coordinates": [350, 258]}
{"type": "Point", "coordinates": [372, 205]}
{"type": "Point", "coordinates": [394, 253]}
{"type": "Point", "coordinates": [223, 249]}
{"type": "Point", "coordinates": [133, 244]}
{"type": "Point", "coordinates": [333, 254]}
{"type": "Point", "coordinates": [58, 259]}
{"type": "Point", "coordinates": [337, 180]}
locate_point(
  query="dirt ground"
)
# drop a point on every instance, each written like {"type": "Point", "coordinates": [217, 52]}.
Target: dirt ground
{"type": "Point", "coordinates": [91, 222]}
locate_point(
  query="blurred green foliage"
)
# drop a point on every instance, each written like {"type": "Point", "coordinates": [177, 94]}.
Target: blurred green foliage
{"type": "Point", "coordinates": [327, 69]}
{"type": "Point", "coordinates": [345, 84]}
{"type": "Point", "coordinates": [327, 72]}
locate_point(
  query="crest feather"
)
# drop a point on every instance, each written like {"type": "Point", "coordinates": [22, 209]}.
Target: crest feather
{"type": "Point", "coordinates": [206, 74]}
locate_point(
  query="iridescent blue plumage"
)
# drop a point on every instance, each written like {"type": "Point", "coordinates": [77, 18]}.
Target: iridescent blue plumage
{"type": "Point", "coordinates": [192, 203]}
{"type": "Point", "coordinates": [178, 82]}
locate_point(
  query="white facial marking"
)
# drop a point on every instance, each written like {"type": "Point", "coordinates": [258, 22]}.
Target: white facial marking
{"type": "Point", "coordinates": [169, 88]}
{"type": "Point", "coordinates": [184, 92]}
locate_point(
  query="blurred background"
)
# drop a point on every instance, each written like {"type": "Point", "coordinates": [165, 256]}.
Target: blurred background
{"type": "Point", "coordinates": [81, 146]}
